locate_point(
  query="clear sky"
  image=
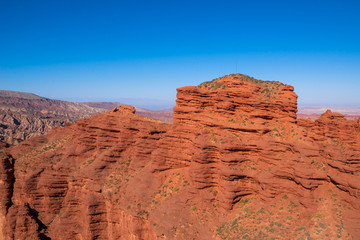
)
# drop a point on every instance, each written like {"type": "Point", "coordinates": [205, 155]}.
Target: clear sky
{"type": "Point", "coordinates": [141, 51]}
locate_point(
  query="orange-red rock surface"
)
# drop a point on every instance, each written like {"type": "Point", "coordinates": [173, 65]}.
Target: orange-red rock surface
{"type": "Point", "coordinates": [235, 164]}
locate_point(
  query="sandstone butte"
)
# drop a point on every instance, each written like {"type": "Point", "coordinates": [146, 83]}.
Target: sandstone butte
{"type": "Point", "coordinates": [235, 164]}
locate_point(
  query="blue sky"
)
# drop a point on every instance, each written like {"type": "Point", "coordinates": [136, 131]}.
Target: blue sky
{"type": "Point", "coordinates": [141, 51]}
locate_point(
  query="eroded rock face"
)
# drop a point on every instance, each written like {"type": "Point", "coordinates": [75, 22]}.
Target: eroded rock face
{"type": "Point", "coordinates": [236, 163]}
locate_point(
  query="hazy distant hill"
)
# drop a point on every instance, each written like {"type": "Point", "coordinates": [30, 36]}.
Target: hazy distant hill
{"type": "Point", "coordinates": [23, 95]}
{"type": "Point", "coordinates": [314, 112]}
{"type": "Point", "coordinates": [24, 115]}
{"type": "Point", "coordinates": [103, 105]}
{"type": "Point", "coordinates": [164, 115]}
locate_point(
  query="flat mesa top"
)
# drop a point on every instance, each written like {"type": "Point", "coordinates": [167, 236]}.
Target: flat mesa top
{"type": "Point", "coordinates": [238, 78]}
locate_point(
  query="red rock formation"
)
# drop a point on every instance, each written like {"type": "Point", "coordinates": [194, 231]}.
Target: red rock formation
{"type": "Point", "coordinates": [236, 163]}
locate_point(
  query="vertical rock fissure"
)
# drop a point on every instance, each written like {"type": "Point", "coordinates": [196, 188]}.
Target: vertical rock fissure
{"type": "Point", "coordinates": [6, 186]}
{"type": "Point", "coordinates": [11, 178]}
{"type": "Point", "coordinates": [8, 180]}
{"type": "Point", "coordinates": [41, 226]}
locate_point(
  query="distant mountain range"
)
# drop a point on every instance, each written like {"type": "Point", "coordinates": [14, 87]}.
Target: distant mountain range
{"type": "Point", "coordinates": [24, 115]}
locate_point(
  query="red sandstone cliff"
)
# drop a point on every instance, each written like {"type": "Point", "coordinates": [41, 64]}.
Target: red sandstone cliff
{"type": "Point", "coordinates": [236, 163]}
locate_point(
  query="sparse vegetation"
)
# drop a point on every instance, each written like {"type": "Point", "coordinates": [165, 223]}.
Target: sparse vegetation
{"type": "Point", "coordinates": [142, 213]}
{"type": "Point", "coordinates": [213, 85]}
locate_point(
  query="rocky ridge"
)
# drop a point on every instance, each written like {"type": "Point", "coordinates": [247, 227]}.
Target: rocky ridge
{"type": "Point", "coordinates": [235, 163]}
